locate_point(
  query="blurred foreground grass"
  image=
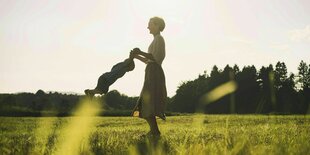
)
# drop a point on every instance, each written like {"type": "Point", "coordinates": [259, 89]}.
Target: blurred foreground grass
{"type": "Point", "coordinates": [193, 134]}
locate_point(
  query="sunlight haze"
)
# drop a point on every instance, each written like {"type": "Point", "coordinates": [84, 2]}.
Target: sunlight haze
{"type": "Point", "coordinates": [66, 45]}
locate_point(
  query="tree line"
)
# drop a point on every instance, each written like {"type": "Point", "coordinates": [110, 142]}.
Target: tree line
{"type": "Point", "coordinates": [267, 90]}
{"type": "Point", "coordinates": [61, 104]}
{"type": "Point", "coordinates": [271, 89]}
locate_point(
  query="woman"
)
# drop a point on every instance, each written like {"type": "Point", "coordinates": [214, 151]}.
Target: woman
{"type": "Point", "coordinates": [153, 95]}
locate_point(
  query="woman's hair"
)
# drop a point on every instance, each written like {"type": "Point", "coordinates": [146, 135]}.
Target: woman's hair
{"type": "Point", "coordinates": [159, 22]}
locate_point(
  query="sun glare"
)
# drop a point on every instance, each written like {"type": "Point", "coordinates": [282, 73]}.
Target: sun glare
{"type": "Point", "coordinates": [219, 92]}
{"type": "Point", "coordinates": [75, 134]}
{"type": "Point", "coordinates": [173, 10]}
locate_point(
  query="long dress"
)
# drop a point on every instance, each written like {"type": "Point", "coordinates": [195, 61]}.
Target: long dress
{"type": "Point", "coordinates": [152, 100]}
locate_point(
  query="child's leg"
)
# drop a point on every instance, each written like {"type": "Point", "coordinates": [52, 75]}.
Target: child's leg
{"type": "Point", "coordinates": [102, 84]}
{"type": "Point", "coordinates": [92, 92]}
{"type": "Point", "coordinates": [101, 88]}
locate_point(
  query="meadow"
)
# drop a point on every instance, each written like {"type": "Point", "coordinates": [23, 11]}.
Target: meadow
{"type": "Point", "coordinates": [188, 134]}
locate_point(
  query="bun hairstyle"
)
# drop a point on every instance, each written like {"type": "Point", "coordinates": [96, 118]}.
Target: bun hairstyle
{"type": "Point", "coordinates": [159, 22]}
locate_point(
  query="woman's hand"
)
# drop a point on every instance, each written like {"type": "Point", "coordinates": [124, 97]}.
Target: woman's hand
{"type": "Point", "coordinates": [135, 53]}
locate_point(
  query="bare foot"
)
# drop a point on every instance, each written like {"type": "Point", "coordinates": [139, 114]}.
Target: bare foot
{"type": "Point", "coordinates": [90, 93]}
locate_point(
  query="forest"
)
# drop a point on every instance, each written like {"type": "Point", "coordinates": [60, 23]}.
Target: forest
{"type": "Point", "coordinates": [231, 90]}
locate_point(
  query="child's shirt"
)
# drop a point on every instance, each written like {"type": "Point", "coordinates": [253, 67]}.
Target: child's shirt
{"type": "Point", "coordinates": [119, 70]}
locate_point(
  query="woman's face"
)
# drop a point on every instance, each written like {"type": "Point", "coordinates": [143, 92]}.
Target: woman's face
{"type": "Point", "coordinates": [154, 29]}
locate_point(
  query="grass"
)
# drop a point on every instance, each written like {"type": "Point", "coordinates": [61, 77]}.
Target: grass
{"type": "Point", "coordinates": [192, 134]}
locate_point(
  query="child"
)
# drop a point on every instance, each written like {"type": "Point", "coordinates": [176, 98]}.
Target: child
{"type": "Point", "coordinates": [108, 78]}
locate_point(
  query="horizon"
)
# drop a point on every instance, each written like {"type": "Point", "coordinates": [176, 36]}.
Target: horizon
{"type": "Point", "coordinates": [65, 46]}
{"type": "Point", "coordinates": [220, 69]}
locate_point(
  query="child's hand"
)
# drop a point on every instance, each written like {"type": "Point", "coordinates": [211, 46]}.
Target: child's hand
{"type": "Point", "coordinates": [137, 50]}
{"type": "Point", "coordinates": [131, 55]}
{"type": "Point", "coordinates": [134, 52]}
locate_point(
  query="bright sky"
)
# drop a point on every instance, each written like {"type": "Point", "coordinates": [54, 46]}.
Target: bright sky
{"type": "Point", "coordinates": [66, 45]}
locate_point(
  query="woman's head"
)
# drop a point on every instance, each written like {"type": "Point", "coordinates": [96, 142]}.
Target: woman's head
{"type": "Point", "coordinates": [156, 25]}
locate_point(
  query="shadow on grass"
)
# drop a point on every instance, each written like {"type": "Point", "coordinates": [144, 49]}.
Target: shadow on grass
{"type": "Point", "coordinates": [150, 145]}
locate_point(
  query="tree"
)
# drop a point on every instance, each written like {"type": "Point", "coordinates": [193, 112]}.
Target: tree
{"type": "Point", "coordinates": [215, 71]}
{"type": "Point", "coordinates": [189, 93]}
{"type": "Point", "coordinates": [304, 75]}
{"type": "Point", "coordinates": [116, 100]}
{"type": "Point", "coordinates": [304, 82]}
{"type": "Point", "coordinates": [184, 100]}
{"type": "Point", "coordinates": [280, 75]}
{"type": "Point", "coordinates": [247, 94]}
{"type": "Point", "coordinates": [236, 69]}
{"type": "Point", "coordinates": [267, 101]}
{"type": "Point", "coordinates": [40, 92]}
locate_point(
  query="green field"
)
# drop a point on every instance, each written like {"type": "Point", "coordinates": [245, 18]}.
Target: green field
{"type": "Point", "coordinates": [192, 134]}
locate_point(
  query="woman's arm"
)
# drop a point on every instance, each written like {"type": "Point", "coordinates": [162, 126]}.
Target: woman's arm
{"type": "Point", "coordinates": [137, 51]}
{"type": "Point", "coordinates": [146, 55]}
{"type": "Point", "coordinates": [143, 59]}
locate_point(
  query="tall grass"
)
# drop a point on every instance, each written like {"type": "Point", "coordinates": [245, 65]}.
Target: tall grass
{"type": "Point", "coordinates": [196, 134]}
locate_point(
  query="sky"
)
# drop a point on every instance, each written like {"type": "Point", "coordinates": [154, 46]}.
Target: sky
{"type": "Point", "coordinates": [65, 45]}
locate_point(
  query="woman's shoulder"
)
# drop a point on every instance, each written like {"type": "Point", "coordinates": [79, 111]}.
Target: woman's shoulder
{"type": "Point", "coordinates": [159, 38]}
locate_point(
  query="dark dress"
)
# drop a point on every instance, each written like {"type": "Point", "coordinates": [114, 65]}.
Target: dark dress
{"type": "Point", "coordinates": [152, 100]}
{"type": "Point", "coordinates": [117, 71]}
